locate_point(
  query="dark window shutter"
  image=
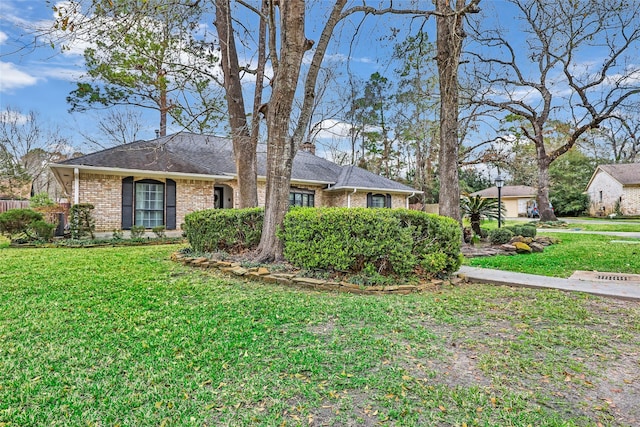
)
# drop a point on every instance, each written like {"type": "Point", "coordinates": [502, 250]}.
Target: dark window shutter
{"type": "Point", "coordinates": [369, 200]}
{"type": "Point", "coordinates": [127, 203]}
{"type": "Point", "coordinates": [388, 200]}
{"type": "Point", "coordinates": [171, 205]}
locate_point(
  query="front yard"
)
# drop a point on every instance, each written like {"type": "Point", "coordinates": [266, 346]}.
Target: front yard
{"type": "Point", "coordinates": [122, 336]}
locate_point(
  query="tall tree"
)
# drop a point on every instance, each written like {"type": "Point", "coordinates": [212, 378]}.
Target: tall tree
{"type": "Point", "coordinates": [450, 16]}
{"type": "Point", "coordinates": [139, 58]}
{"type": "Point", "coordinates": [417, 104]}
{"type": "Point", "coordinates": [286, 46]}
{"type": "Point", "coordinates": [552, 77]}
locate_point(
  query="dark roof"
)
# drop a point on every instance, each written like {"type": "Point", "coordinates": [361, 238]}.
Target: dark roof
{"type": "Point", "coordinates": [507, 191]}
{"type": "Point", "coordinates": [625, 174]}
{"type": "Point", "coordinates": [210, 155]}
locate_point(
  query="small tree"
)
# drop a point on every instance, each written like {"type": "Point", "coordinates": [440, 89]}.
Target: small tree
{"type": "Point", "coordinates": [475, 207]}
{"type": "Point", "coordinates": [81, 221]}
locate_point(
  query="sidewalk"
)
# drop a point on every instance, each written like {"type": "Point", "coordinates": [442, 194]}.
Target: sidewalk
{"type": "Point", "coordinates": [628, 291]}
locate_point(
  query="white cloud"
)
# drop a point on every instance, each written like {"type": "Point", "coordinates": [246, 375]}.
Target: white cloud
{"type": "Point", "coordinates": [12, 78]}
{"type": "Point", "coordinates": [3, 37]}
{"type": "Point", "coordinates": [8, 116]}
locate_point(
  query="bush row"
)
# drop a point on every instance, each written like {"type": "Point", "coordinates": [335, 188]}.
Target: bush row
{"type": "Point", "coordinates": [230, 230]}
{"type": "Point", "coordinates": [340, 239]}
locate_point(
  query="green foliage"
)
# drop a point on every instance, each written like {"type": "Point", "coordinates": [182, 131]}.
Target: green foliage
{"type": "Point", "coordinates": [389, 241]}
{"type": "Point", "coordinates": [523, 230]}
{"type": "Point", "coordinates": [433, 235]}
{"type": "Point", "coordinates": [230, 230]}
{"type": "Point", "coordinates": [477, 207]}
{"type": "Point", "coordinates": [19, 224]}
{"type": "Point", "coordinates": [472, 180]}
{"type": "Point", "coordinates": [347, 240]}
{"type": "Point", "coordinates": [500, 236]}
{"type": "Point", "coordinates": [137, 231]}
{"type": "Point", "coordinates": [569, 175]}
{"type": "Point", "coordinates": [43, 230]}
{"type": "Point", "coordinates": [81, 222]}
{"type": "Point", "coordinates": [117, 235]}
{"type": "Point", "coordinates": [159, 231]}
{"type": "Point", "coordinates": [40, 200]}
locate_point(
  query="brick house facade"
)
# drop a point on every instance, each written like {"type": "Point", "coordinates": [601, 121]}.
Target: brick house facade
{"type": "Point", "coordinates": [159, 182]}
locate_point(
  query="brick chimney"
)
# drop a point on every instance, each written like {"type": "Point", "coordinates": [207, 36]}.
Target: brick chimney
{"type": "Point", "coordinates": [309, 147]}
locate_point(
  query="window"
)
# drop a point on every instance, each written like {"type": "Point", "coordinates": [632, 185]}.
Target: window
{"type": "Point", "coordinates": [378, 200]}
{"type": "Point", "coordinates": [149, 202]}
{"type": "Point", "coordinates": [300, 197]}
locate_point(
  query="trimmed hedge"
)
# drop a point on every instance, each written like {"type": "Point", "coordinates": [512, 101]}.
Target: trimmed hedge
{"type": "Point", "coordinates": [229, 230]}
{"type": "Point", "coordinates": [392, 241]}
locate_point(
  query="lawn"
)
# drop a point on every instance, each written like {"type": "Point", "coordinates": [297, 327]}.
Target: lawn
{"type": "Point", "coordinates": [122, 336]}
{"type": "Point", "coordinates": [574, 252]}
{"type": "Point", "coordinates": [586, 223]}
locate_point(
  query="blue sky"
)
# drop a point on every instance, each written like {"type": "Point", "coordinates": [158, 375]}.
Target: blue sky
{"type": "Point", "coordinates": [39, 79]}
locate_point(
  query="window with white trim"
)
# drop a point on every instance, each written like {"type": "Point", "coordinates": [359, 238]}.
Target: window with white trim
{"type": "Point", "coordinates": [149, 203]}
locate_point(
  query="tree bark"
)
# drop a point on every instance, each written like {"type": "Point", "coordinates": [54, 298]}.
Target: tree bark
{"type": "Point", "coordinates": [450, 34]}
{"type": "Point", "coordinates": [281, 147]}
{"type": "Point", "coordinates": [244, 145]}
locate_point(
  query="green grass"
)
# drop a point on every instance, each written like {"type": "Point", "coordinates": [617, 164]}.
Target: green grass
{"type": "Point", "coordinates": [574, 252]}
{"type": "Point", "coordinates": [593, 224]}
{"type": "Point", "coordinates": [122, 336]}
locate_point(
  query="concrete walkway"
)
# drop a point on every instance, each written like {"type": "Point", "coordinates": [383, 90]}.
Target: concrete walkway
{"type": "Point", "coordinates": [628, 291]}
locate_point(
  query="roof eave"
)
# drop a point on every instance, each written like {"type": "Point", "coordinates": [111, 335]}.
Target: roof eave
{"type": "Point", "coordinates": [144, 172]}
{"type": "Point", "coordinates": [381, 190]}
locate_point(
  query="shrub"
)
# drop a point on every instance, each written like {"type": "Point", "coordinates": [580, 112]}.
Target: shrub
{"type": "Point", "coordinates": [433, 234]}
{"type": "Point", "coordinates": [43, 230]}
{"type": "Point", "coordinates": [17, 223]}
{"type": "Point", "coordinates": [117, 235]}
{"type": "Point", "coordinates": [81, 222]}
{"type": "Point", "coordinates": [137, 231]}
{"type": "Point", "coordinates": [500, 236]}
{"type": "Point", "coordinates": [40, 200]}
{"type": "Point", "coordinates": [159, 231]}
{"type": "Point", "coordinates": [389, 241]}
{"type": "Point", "coordinates": [523, 230]}
{"type": "Point", "coordinates": [230, 230]}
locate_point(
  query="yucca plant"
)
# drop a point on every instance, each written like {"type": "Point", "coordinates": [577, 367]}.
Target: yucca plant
{"type": "Point", "coordinates": [476, 207]}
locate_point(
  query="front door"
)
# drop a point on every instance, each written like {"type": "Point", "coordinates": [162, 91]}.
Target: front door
{"type": "Point", "coordinates": [218, 194]}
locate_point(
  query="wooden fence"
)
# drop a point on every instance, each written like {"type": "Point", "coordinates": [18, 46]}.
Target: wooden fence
{"type": "Point", "coordinates": [5, 205]}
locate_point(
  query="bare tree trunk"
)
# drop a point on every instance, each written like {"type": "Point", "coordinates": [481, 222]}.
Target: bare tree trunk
{"type": "Point", "coordinates": [544, 207]}
{"type": "Point", "coordinates": [280, 145]}
{"type": "Point", "coordinates": [449, 43]}
{"type": "Point", "coordinates": [244, 146]}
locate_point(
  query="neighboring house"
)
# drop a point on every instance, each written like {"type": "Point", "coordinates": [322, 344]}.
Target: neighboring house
{"type": "Point", "coordinates": [158, 182]}
{"type": "Point", "coordinates": [613, 184]}
{"type": "Point", "coordinates": [518, 200]}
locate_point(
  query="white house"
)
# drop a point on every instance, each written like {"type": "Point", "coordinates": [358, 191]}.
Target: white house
{"type": "Point", "coordinates": [615, 184]}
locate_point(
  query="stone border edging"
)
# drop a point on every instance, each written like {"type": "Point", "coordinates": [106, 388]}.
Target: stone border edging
{"type": "Point", "coordinates": [291, 279]}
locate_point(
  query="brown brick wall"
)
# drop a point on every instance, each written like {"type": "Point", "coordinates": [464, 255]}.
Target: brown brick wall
{"type": "Point", "coordinates": [105, 193]}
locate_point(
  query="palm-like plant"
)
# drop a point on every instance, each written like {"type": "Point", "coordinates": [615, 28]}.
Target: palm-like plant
{"type": "Point", "coordinates": [476, 207]}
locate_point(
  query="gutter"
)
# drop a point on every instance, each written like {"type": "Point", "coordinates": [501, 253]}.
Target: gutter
{"type": "Point", "coordinates": [349, 197]}
{"type": "Point", "coordinates": [76, 186]}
